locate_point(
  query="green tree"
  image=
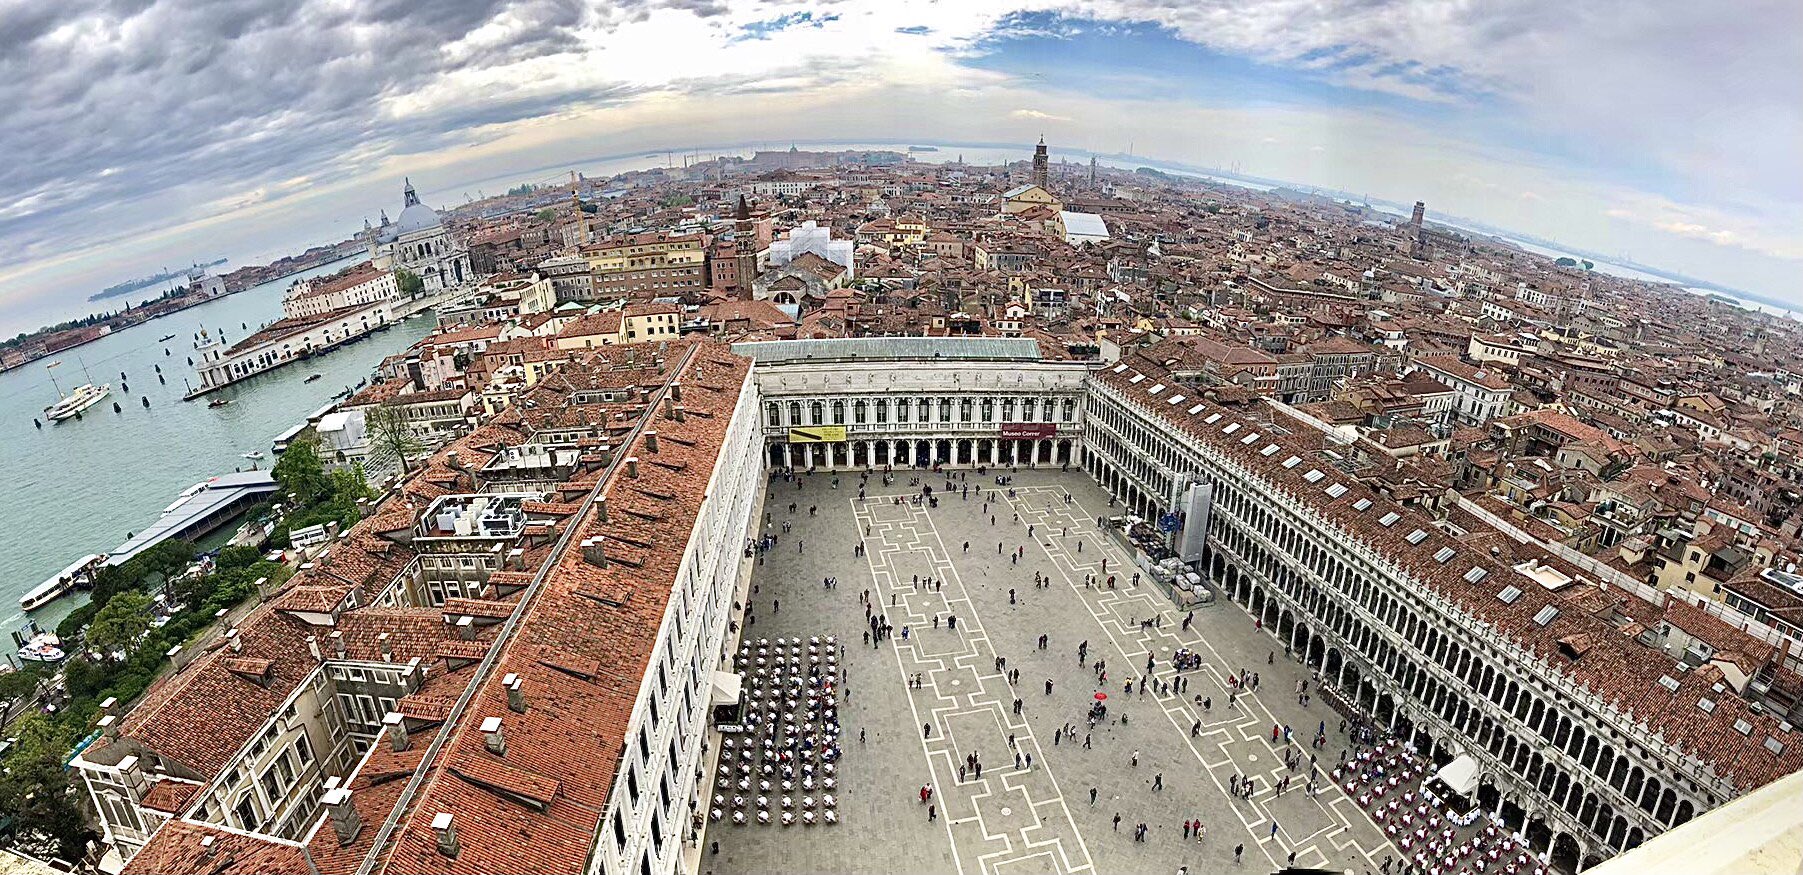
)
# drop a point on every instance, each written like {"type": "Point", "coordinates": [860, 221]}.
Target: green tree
{"type": "Point", "coordinates": [391, 437]}
{"type": "Point", "coordinates": [301, 473]}
{"type": "Point", "coordinates": [118, 626]}
{"type": "Point", "coordinates": [237, 556]}
{"type": "Point", "coordinates": [35, 790]}
{"type": "Point", "coordinates": [409, 282]}
{"type": "Point", "coordinates": [545, 215]}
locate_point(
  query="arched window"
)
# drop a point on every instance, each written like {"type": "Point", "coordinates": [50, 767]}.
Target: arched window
{"type": "Point", "coordinates": [859, 411]}
{"type": "Point", "coordinates": [817, 414]}
{"type": "Point", "coordinates": [776, 417]}
{"type": "Point", "coordinates": [838, 413]}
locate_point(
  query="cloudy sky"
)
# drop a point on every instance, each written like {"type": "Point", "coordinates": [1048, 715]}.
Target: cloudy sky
{"type": "Point", "coordinates": [139, 135]}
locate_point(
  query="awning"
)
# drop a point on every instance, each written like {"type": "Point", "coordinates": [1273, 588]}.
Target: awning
{"type": "Point", "coordinates": [726, 688]}
{"type": "Point", "coordinates": [1460, 775]}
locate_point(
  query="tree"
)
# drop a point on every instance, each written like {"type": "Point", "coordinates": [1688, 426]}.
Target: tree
{"type": "Point", "coordinates": [34, 789]}
{"type": "Point", "coordinates": [545, 215]}
{"type": "Point", "coordinates": [119, 625]}
{"type": "Point", "coordinates": [391, 437]}
{"type": "Point", "coordinates": [408, 282]}
{"type": "Point", "coordinates": [301, 473]}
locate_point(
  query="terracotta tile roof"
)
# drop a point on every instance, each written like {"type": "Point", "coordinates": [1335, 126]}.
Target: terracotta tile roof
{"type": "Point", "coordinates": [171, 796]}
{"type": "Point", "coordinates": [184, 846]}
{"type": "Point", "coordinates": [581, 662]}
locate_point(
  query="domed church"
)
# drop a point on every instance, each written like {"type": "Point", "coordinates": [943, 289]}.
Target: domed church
{"type": "Point", "coordinates": [419, 242]}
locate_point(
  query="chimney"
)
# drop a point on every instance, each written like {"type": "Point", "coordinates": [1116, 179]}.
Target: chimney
{"type": "Point", "coordinates": [516, 693]}
{"type": "Point", "coordinates": [676, 391]}
{"type": "Point", "coordinates": [601, 508]}
{"type": "Point", "coordinates": [109, 726]}
{"type": "Point", "coordinates": [676, 413]}
{"type": "Point", "coordinates": [516, 559]}
{"type": "Point", "coordinates": [492, 738]}
{"type": "Point", "coordinates": [451, 458]}
{"type": "Point", "coordinates": [606, 452]}
{"type": "Point", "coordinates": [387, 646]}
{"type": "Point", "coordinates": [669, 407]}
{"type": "Point", "coordinates": [650, 442]}
{"type": "Point", "coordinates": [338, 647]}
{"type": "Point", "coordinates": [447, 834]}
{"type": "Point", "coordinates": [206, 846]}
{"type": "Point", "coordinates": [132, 773]}
{"type": "Point", "coordinates": [331, 530]}
{"type": "Point", "coordinates": [466, 627]}
{"type": "Point", "coordinates": [234, 640]}
{"type": "Point", "coordinates": [396, 724]}
{"type": "Point", "coordinates": [593, 552]}
{"type": "Point", "coordinates": [345, 821]}
{"type": "Point", "coordinates": [108, 704]}
{"type": "Point", "coordinates": [632, 467]}
{"type": "Point", "coordinates": [313, 648]}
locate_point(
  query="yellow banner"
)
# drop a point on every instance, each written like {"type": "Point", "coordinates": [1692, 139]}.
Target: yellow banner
{"type": "Point", "coordinates": [817, 434]}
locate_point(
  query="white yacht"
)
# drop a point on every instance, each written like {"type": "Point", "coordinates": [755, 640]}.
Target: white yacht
{"type": "Point", "coordinates": [81, 398]}
{"type": "Point", "coordinates": [43, 647]}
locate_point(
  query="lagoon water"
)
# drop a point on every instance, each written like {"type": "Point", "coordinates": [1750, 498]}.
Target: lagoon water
{"type": "Point", "coordinates": [80, 486]}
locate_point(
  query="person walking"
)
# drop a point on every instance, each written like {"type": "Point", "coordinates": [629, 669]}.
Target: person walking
{"type": "Point", "coordinates": [1237, 851]}
{"type": "Point", "coordinates": [1117, 821]}
{"type": "Point", "coordinates": [1092, 796]}
{"type": "Point", "coordinates": [932, 813]}
{"type": "Point", "coordinates": [1158, 782]}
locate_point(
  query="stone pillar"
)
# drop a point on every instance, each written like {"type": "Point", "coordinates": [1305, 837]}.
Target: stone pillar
{"type": "Point", "coordinates": [807, 452]}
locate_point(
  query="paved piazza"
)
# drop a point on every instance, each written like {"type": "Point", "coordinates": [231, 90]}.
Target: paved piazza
{"type": "Point", "coordinates": [1036, 819]}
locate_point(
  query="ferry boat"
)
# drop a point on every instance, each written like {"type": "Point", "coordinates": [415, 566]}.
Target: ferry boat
{"type": "Point", "coordinates": [63, 582]}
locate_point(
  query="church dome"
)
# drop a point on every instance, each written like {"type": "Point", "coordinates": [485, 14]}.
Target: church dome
{"type": "Point", "coordinates": [415, 216]}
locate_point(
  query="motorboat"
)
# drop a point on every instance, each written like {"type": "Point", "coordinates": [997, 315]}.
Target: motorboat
{"type": "Point", "coordinates": [312, 378]}
{"type": "Point", "coordinates": [254, 454]}
{"type": "Point", "coordinates": [63, 582]}
{"type": "Point", "coordinates": [219, 402]}
{"type": "Point", "coordinates": [43, 647]}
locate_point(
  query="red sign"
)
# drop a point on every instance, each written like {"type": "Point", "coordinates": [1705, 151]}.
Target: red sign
{"type": "Point", "coordinates": [1029, 430]}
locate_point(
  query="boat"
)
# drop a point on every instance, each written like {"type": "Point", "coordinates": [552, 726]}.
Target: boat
{"type": "Point", "coordinates": [312, 378]}
{"type": "Point", "coordinates": [166, 338]}
{"type": "Point", "coordinates": [63, 582]}
{"type": "Point", "coordinates": [43, 647]}
{"type": "Point", "coordinates": [81, 398]}
{"type": "Point", "coordinates": [253, 454]}
{"type": "Point", "coordinates": [219, 402]}
{"type": "Point", "coordinates": [923, 148]}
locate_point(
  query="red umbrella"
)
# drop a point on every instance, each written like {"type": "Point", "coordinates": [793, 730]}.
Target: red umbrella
{"type": "Point", "coordinates": [1101, 697]}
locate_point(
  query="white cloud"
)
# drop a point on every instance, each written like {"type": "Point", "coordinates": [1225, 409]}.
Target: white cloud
{"type": "Point", "coordinates": [1035, 115]}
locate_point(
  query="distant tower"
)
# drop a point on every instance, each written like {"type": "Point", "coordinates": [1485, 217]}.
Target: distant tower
{"type": "Point", "coordinates": [1039, 163]}
{"type": "Point", "coordinates": [1418, 241]}
{"type": "Point", "coordinates": [582, 230]}
{"type": "Point", "coordinates": [409, 197]}
{"type": "Point", "coordinates": [1092, 171]}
